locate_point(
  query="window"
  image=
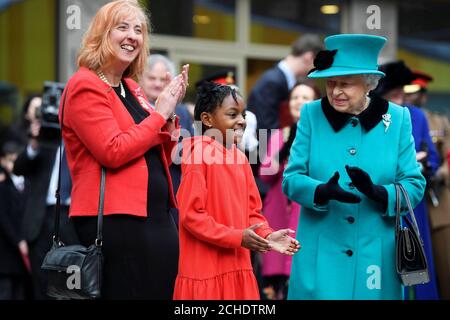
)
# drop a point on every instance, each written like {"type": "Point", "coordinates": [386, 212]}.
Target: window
{"type": "Point", "coordinates": [282, 21]}
{"type": "Point", "coordinates": [424, 43]}
{"type": "Point", "coordinates": [207, 19]}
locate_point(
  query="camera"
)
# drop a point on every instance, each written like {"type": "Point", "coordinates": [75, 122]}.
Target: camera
{"type": "Point", "coordinates": [50, 131]}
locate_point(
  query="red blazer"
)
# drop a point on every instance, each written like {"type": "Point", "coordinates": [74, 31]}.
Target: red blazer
{"type": "Point", "coordinates": [448, 159]}
{"type": "Point", "coordinates": [98, 131]}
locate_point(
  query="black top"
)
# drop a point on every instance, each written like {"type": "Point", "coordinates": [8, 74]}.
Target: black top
{"type": "Point", "coordinates": [11, 218]}
{"type": "Point", "coordinates": [158, 185]}
{"type": "Point", "coordinates": [140, 253]}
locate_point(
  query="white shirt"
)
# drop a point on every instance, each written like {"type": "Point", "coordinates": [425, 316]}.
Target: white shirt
{"type": "Point", "coordinates": [249, 140]}
{"type": "Point", "coordinates": [18, 181]}
{"type": "Point", "coordinates": [290, 76]}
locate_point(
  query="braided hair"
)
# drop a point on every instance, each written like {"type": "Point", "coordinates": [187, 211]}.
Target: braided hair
{"type": "Point", "coordinates": [210, 96]}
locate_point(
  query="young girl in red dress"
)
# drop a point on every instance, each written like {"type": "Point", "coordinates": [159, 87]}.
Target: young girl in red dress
{"type": "Point", "coordinates": [220, 206]}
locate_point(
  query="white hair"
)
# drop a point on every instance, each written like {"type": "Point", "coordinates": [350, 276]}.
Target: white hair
{"type": "Point", "coordinates": [372, 80]}
{"type": "Point", "coordinates": [159, 58]}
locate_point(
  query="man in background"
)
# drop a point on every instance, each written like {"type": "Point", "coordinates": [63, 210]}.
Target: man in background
{"type": "Point", "coordinates": [268, 98]}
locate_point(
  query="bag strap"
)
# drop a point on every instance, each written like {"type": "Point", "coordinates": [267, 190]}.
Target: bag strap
{"type": "Point", "coordinates": [400, 191]}
{"type": "Point", "coordinates": [99, 240]}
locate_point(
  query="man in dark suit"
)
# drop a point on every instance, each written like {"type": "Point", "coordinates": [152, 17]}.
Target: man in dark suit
{"type": "Point", "coordinates": [39, 164]}
{"type": "Point", "coordinates": [272, 89]}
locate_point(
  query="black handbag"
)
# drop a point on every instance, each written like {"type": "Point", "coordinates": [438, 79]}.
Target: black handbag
{"type": "Point", "coordinates": [411, 262]}
{"type": "Point", "coordinates": [75, 271]}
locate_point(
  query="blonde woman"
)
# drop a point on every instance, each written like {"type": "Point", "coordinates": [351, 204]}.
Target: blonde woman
{"type": "Point", "coordinates": [109, 122]}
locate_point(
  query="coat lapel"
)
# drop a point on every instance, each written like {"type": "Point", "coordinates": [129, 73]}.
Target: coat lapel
{"type": "Point", "coordinates": [369, 118]}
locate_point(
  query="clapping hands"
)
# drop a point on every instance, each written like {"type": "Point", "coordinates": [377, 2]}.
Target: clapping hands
{"type": "Point", "coordinates": [281, 242]}
{"type": "Point", "coordinates": [333, 191]}
{"type": "Point", "coordinates": [252, 241]}
{"type": "Point", "coordinates": [173, 93]}
{"type": "Point", "coordinates": [365, 185]}
{"type": "Point", "coordinates": [360, 179]}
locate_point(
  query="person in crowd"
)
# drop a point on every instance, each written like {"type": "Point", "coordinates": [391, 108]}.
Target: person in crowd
{"type": "Point", "coordinates": [391, 88]}
{"type": "Point", "coordinates": [348, 152]}
{"type": "Point", "coordinates": [14, 262]}
{"type": "Point", "coordinates": [416, 94]}
{"type": "Point", "coordinates": [448, 158]}
{"type": "Point", "coordinates": [20, 131]}
{"type": "Point", "coordinates": [268, 97]}
{"type": "Point", "coordinates": [220, 207]}
{"type": "Point", "coordinates": [438, 191]}
{"type": "Point", "coordinates": [153, 80]}
{"type": "Point", "coordinates": [38, 163]}
{"type": "Point", "coordinates": [108, 122]}
{"type": "Point", "coordinates": [279, 211]}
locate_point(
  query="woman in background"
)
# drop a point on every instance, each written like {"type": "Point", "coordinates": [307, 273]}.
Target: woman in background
{"type": "Point", "coordinates": [279, 211]}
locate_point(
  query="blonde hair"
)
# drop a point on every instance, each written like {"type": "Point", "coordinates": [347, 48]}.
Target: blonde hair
{"type": "Point", "coordinates": [96, 49]}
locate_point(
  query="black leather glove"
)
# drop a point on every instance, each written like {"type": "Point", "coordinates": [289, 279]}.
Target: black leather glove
{"type": "Point", "coordinates": [364, 184]}
{"type": "Point", "coordinates": [332, 191]}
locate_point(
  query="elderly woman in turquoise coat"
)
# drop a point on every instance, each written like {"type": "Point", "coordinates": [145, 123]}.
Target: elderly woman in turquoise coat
{"type": "Point", "coordinates": [348, 154]}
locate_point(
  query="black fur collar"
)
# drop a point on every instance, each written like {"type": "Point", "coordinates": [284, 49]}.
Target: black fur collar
{"type": "Point", "coordinates": [369, 118]}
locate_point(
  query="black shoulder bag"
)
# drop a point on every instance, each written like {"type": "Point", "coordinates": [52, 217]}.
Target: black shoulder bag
{"type": "Point", "coordinates": [75, 271]}
{"type": "Point", "coordinates": [411, 262]}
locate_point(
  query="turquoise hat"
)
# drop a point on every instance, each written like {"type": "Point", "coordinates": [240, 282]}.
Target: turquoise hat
{"type": "Point", "coordinates": [348, 54]}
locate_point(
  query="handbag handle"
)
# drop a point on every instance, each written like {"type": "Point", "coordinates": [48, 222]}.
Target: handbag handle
{"type": "Point", "coordinates": [99, 240]}
{"type": "Point", "coordinates": [400, 190]}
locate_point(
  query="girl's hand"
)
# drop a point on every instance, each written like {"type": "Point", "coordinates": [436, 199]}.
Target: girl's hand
{"type": "Point", "coordinates": [281, 242]}
{"type": "Point", "coordinates": [252, 241]}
